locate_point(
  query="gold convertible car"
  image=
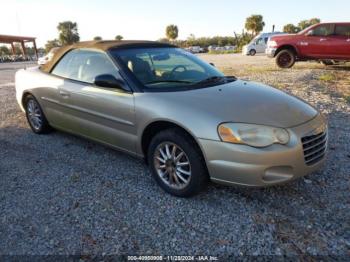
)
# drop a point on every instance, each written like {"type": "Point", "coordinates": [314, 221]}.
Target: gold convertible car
{"type": "Point", "coordinates": [188, 120]}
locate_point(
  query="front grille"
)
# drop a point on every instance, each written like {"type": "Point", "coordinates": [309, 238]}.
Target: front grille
{"type": "Point", "coordinates": [314, 147]}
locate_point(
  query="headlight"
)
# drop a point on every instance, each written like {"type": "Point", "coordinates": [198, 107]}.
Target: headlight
{"type": "Point", "coordinates": [252, 135]}
{"type": "Point", "coordinates": [272, 44]}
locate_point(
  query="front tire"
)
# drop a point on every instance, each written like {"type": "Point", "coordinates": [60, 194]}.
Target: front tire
{"type": "Point", "coordinates": [252, 52]}
{"type": "Point", "coordinates": [35, 116]}
{"type": "Point", "coordinates": [285, 59]}
{"type": "Point", "coordinates": [176, 163]}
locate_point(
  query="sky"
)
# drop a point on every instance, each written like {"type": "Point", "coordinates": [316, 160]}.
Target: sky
{"type": "Point", "coordinates": [146, 20]}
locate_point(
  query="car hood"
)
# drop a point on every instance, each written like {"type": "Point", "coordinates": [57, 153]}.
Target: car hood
{"type": "Point", "coordinates": [241, 101]}
{"type": "Point", "coordinates": [282, 37]}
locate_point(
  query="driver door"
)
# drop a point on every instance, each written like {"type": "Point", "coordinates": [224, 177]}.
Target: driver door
{"type": "Point", "coordinates": [260, 45]}
{"type": "Point", "coordinates": [317, 43]}
{"type": "Point", "coordinates": [106, 115]}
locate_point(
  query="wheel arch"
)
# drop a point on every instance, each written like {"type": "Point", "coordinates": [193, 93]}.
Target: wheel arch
{"type": "Point", "coordinates": [156, 126]}
{"type": "Point", "coordinates": [293, 48]}
{"type": "Point", "coordinates": [252, 49]}
{"type": "Point", "coordinates": [30, 93]}
{"type": "Point", "coordinates": [24, 95]}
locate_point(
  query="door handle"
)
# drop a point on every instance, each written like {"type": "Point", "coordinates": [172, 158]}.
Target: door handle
{"type": "Point", "coordinates": [323, 39]}
{"type": "Point", "coordinates": [64, 94]}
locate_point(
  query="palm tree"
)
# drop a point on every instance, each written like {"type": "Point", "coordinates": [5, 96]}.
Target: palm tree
{"type": "Point", "coordinates": [68, 33]}
{"type": "Point", "coordinates": [255, 24]}
{"type": "Point", "coordinates": [172, 32]}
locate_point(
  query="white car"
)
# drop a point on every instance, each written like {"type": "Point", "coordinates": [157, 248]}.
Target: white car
{"type": "Point", "coordinates": [258, 44]}
{"type": "Point", "coordinates": [195, 49]}
{"type": "Point", "coordinates": [211, 48]}
{"type": "Point", "coordinates": [43, 60]}
{"type": "Point", "coordinates": [230, 47]}
{"type": "Point", "coordinates": [220, 48]}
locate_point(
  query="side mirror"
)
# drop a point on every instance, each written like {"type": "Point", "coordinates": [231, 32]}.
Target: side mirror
{"type": "Point", "coordinates": [310, 33]}
{"type": "Point", "coordinates": [212, 64]}
{"type": "Point", "coordinates": [108, 81]}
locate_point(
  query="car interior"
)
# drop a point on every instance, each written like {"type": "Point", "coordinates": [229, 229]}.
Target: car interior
{"type": "Point", "coordinates": [84, 66]}
{"type": "Point", "coordinates": [156, 69]}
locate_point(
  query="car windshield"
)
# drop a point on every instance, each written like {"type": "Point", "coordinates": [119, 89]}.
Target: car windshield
{"type": "Point", "coordinates": [168, 67]}
{"type": "Point", "coordinates": [303, 32]}
{"type": "Point", "coordinates": [253, 41]}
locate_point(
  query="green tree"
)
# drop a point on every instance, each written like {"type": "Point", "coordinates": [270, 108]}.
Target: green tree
{"type": "Point", "coordinates": [172, 32]}
{"type": "Point", "coordinates": [4, 51]}
{"type": "Point", "coordinates": [314, 21]}
{"type": "Point", "coordinates": [242, 39]}
{"type": "Point", "coordinates": [68, 33]}
{"type": "Point", "coordinates": [291, 29]}
{"type": "Point", "coordinates": [191, 37]}
{"type": "Point", "coordinates": [97, 38]}
{"type": "Point", "coordinates": [41, 51]}
{"type": "Point", "coordinates": [255, 24]}
{"type": "Point", "coordinates": [306, 23]}
{"type": "Point", "coordinates": [18, 49]}
{"type": "Point", "coordinates": [51, 44]}
{"type": "Point", "coordinates": [119, 37]}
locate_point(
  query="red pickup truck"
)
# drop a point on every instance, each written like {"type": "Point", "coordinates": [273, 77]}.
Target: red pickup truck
{"type": "Point", "coordinates": [326, 42]}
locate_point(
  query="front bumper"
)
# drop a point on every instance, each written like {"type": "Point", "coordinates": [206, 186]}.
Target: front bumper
{"type": "Point", "coordinates": [245, 51]}
{"type": "Point", "coordinates": [244, 165]}
{"type": "Point", "coordinates": [270, 52]}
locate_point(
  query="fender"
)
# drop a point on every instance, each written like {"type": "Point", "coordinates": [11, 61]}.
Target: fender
{"type": "Point", "coordinates": [288, 46]}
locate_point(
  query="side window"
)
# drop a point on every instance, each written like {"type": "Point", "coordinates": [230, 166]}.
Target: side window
{"type": "Point", "coordinates": [84, 65]}
{"type": "Point", "coordinates": [342, 30]}
{"type": "Point", "coordinates": [68, 65]}
{"type": "Point", "coordinates": [266, 39]}
{"type": "Point", "coordinates": [260, 41]}
{"type": "Point", "coordinates": [323, 30]}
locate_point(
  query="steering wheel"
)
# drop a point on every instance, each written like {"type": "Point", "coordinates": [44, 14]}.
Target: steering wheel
{"type": "Point", "coordinates": [176, 68]}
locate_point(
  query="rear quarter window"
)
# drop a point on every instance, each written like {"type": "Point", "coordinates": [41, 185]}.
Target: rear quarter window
{"type": "Point", "coordinates": [84, 65]}
{"type": "Point", "coordinates": [342, 30]}
{"type": "Point", "coordinates": [68, 66]}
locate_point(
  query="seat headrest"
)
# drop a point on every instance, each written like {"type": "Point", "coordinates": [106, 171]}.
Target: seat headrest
{"type": "Point", "coordinates": [137, 65]}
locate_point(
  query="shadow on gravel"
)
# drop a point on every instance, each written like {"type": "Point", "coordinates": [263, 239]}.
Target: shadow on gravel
{"type": "Point", "coordinates": [338, 68]}
{"type": "Point", "coordinates": [315, 66]}
{"type": "Point", "coordinates": [63, 194]}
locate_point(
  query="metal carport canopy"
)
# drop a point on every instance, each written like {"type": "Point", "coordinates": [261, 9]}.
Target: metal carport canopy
{"type": "Point", "coordinates": [11, 39]}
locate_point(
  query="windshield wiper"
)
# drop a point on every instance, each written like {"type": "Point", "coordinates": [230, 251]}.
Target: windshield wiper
{"type": "Point", "coordinates": [214, 79]}
{"type": "Point", "coordinates": [210, 80]}
{"type": "Point", "coordinates": [169, 81]}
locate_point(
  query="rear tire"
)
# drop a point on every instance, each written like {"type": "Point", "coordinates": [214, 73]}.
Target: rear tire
{"type": "Point", "coordinates": [173, 175]}
{"type": "Point", "coordinates": [252, 52]}
{"type": "Point", "coordinates": [285, 59]}
{"type": "Point", "coordinates": [35, 116]}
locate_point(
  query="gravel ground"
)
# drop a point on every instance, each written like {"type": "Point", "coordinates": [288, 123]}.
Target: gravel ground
{"type": "Point", "coordinates": [60, 194]}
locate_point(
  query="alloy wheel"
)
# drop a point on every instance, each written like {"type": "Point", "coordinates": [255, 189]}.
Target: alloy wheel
{"type": "Point", "coordinates": [35, 116]}
{"type": "Point", "coordinates": [172, 165]}
{"type": "Point", "coordinates": [285, 59]}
